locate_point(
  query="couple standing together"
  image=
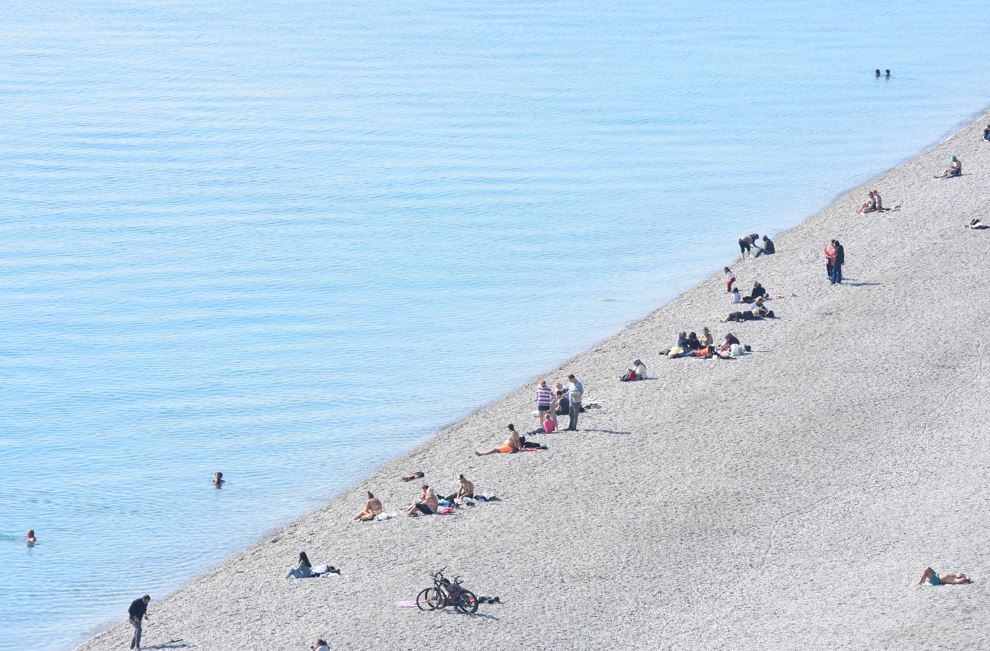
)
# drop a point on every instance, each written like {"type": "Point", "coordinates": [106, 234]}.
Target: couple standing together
{"type": "Point", "coordinates": [546, 401]}
{"type": "Point", "coordinates": [835, 257]}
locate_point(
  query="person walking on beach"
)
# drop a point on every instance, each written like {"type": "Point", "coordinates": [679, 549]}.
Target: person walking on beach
{"type": "Point", "coordinates": [136, 614]}
{"type": "Point", "coordinates": [730, 279]}
{"type": "Point", "coordinates": [575, 391]}
{"type": "Point", "coordinates": [830, 261]}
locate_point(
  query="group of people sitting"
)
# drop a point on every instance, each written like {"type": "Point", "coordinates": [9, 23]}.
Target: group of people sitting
{"type": "Point", "coordinates": [428, 502]}
{"type": "Point", "coordinates": [873, 203]}
{"type": "Point", "coordinates": [690, 345]}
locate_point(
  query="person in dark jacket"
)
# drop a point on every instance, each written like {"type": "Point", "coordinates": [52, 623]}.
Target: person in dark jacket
{"type": "Point", "coordinates": [840, 259]}
{"type": "Point", "coordinates": [767, 249]}
{"type": "Point", "coordinates": [137, 613]}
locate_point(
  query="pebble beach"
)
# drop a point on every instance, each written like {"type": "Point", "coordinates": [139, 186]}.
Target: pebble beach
{"type": "Point", "coordinates": [790, 498]}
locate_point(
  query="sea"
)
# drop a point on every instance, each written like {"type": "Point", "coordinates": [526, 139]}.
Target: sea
{"type": "Point", "coordinates": [290, 240]}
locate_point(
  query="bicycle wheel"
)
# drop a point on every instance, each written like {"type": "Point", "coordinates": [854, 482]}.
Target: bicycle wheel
{"type": "Point", "coordinates": [467, 603]}
{"type": "Point", "coordinates": [430, 599]}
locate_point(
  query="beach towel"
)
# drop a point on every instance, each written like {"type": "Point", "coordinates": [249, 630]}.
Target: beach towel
{"type": "Point", "coordinates": [381, 517]}
{"type": "Point", "coordinates": [486, 497]}
{"type": "Point", "coordinates": [445, 510]}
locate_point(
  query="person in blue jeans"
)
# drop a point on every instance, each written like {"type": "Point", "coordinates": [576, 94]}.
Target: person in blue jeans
{"type": "Point", "coordinates": [136, 614]}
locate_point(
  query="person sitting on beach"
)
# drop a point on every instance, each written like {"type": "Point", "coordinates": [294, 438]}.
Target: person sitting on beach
{"type": "Point", "coordinates": [730, 279]}
{"type": "Point", "coordinates": [986, 133]}
{"type": "Point", "coordinates": [372, 508]}
{"type": "Point", "coordinates": [745, 242]}
{"type": "Point", "coordinates": [321, 645]}
{"type": "Point", "coordinates": [949, 578]}
{"type": "Point", "coordinates": [427, 504]}
{"type": "Point", "coordinates": [563, 403]}
{"type": "Point", "coordinates": [736, 298]}
{"type": "Point", "coordinates": [548, 426]}
{"type": "Point", "coordinates": [302, 571]}
{"type": "Point", "coordinates": [30, 538]}
{"type": "Point", "coordinates": [954, 169]}
{"type": "Point", "coordinates": [879, 201]}
{"type": "Point", "coordinates": [869, 206]}
{"type": "Point", "coordinates": [637, 372]}
{"type": "Point", "coordinates": [767, 249]}
{"type": "Point", "coordinates": [727, 343]}
{"type": "Point", "coordinates": [692, 343]}
{"type": "Point", "coordinates": [511, 445]}
{"type": "Point", "coordinates": [706, 337]}
{"type": "Point", "coordinates": [464, 489]}
{"type": "Point", "coordinates": [218, 479]}
{"type": "Point", "coordinates": [758, 291]}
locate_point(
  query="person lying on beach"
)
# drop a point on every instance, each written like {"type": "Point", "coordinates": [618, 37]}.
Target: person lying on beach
{"type": "Point", "coordinates": [730, 278]}
{"type": "Point", "coordinates": [637, 372]}
{"type": "Point", "coordinates": [766, 249]}
{"type": "Point", "coordinates": [977, 225]}
{"type": "Point", "coordinates": [756, 314]}
{"type": "Point", "coordinates": [427, 504]}
{"type": "Point", "coordinates": [413, 475]}
{"type": "Point", "coordinates": [30, 538]}
{"type": "Point", "coordinates": [954, 169]}
{"type": "Point", "coordinates": [949, 578]}
{"type": "Point", "coordinates": [512, 444]}
{"type": "Point", "coordinates": [372, 508]}
{"type": "Point", "coordinates": [218, 480]}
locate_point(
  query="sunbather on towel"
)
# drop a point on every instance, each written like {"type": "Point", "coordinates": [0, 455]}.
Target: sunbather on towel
{"type": "Point", "coordinates": [949, 578]}
{"type": "Point", "coordinates": [464, 489]}
{"type": "Point", "coordinates": [427, 504]}
{"type": "Point", "coordinates": [371, 508]}
{"type": "Point", "coordinates": [511, 444]}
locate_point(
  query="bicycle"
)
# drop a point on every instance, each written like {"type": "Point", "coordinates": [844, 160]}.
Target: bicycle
{"type": "Point", "coordinates": [446, 593]}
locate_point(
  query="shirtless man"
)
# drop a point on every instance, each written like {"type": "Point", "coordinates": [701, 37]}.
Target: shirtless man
{"type": "Point", "coordinates": [949, 578]}
{"type": "Point", "coordinates": [427, 504]}
{"type": "Point", "coordinates": [218, 479]}
{"type": "Point", "coordinates": [466, 488]}
{"type": "Point", "coordinates": [371, 508]}
{"type": "Point", "coordinates": [511, 444]}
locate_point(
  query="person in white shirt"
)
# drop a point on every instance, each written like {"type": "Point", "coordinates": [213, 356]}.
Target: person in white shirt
{"type": "Point", "coordinates": [321, 645]}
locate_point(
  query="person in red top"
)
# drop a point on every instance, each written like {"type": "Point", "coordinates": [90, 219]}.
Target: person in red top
{"type": "Point", "coordinates": [830, 261]}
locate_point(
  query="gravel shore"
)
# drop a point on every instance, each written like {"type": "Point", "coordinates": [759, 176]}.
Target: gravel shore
{"type": "Point", "coordinates": [787, 499]}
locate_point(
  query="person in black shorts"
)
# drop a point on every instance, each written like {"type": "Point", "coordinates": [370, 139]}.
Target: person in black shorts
{"type": "Point", "coordinates": [746, 243]}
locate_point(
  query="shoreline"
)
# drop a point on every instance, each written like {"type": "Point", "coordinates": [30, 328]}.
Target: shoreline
{"type": "Point", "coordinates": [676, 473]}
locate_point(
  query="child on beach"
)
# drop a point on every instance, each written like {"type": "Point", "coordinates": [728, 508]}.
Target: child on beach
{"type": "Point", "coordinates": [730, 278]}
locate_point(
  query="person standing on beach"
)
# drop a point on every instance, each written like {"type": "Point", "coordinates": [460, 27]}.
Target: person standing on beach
{"type": "Point", "coordinates": [575, 391]}
{"type": "Point", "coordinates": [543, 399]}
{"type": "Point", "coordinates": [840, 259]}
{"type": "Point", "coordinates": [730, 279]}
{"type": "Point", "coordinates": [830, 261]}
{"type": "Point", "coordinates": [136, 614]}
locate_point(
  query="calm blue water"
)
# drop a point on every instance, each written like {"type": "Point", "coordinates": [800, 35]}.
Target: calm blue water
{"type": "Point", "coordinates": [234, 235]}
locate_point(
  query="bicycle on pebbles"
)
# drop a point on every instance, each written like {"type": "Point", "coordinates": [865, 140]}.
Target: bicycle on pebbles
{"type": "Point", "coordinates": [447, 593]}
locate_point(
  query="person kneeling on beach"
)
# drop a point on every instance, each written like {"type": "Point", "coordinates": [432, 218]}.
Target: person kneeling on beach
{"type": "Point", "coordinates": [427, 504]}
{"type": "Point", "coordinates": [949, 578]}
{"type": "Point", "coordinates": [372, 508]}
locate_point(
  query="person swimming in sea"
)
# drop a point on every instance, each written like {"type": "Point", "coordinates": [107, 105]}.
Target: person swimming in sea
{"type": "Point", "coordinates": [218, 480]}
{"type": "Point", "coordinates": [31, 539]}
